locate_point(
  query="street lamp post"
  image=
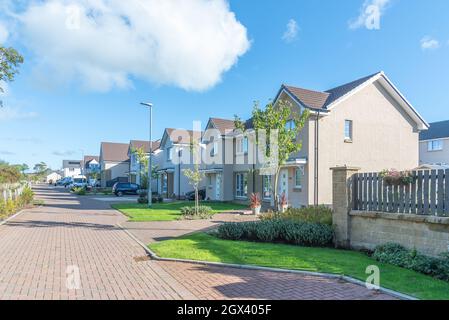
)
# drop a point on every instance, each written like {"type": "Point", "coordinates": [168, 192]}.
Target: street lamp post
{"type": "Point", "coordinates": [150, 162]}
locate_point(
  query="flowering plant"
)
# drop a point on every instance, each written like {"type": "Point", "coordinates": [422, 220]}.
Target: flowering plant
{"type": "Point", "coordinates": [255, 201]}
{"type": "Point", "coordinates": [397, 178]}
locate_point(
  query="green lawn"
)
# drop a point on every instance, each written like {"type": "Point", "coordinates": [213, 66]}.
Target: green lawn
{"type": "Point", "coordinates": [168, 211]}
{"type": "Point", "coordinates": [201, 246]}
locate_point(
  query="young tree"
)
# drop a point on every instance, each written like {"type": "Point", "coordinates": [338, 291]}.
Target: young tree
{"type": "Point", "coordinates": [195, 176]}
{"type": "Point", "coordinates": [10, 60]}
{"type": "Point", "coordinates": [142, 159]}
{"type": "Point", "coordinates": [275, 118]}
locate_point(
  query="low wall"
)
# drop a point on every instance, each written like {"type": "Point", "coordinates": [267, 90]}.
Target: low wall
{"type": "Point", "coordinates": [367, 229]}
{"type": "Point", "coordinates": [428, 234]}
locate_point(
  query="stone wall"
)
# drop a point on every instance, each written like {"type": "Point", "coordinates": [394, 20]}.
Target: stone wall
{"type": "Point", "coordinates": [367, 229]}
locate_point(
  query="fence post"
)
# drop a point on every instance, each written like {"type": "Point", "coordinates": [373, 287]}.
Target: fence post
{"type": "Point", "coordinates": [342, 195]}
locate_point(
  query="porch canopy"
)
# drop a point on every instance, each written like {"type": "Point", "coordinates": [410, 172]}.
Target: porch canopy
{"type": "Point", "coordinates": [169, 170]}
{"type": "Point", "coordinates": [295, 163]}
{"type": "Point", "coordinates": [211, 171]}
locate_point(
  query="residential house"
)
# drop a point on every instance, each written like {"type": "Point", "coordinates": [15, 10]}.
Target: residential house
{"type": "Point", "coordinates": [434, 144]}
{"type": "Point", "coordinates": [91, 164]}
{"type": "Point", "coordinates": [176, 157]}
{"type": "Point", "coordinates": [366, 123]}
{"type": "Point", "coordinates": [135, 167]}
{"type": "Point", "coordinates": [53, 177]}
{"type": "Point", "coordinates": [217, 139]}
{"type": "Point", "coordinates": [71, 168]}
{"type": "Point", "coordinates": [114, 163]}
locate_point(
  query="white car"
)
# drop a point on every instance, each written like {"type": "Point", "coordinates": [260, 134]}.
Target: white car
{"type": "Point", "coordinates": [79, 182]}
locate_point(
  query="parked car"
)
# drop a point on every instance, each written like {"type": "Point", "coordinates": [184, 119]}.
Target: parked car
{"type": "Point", "coordinates": [121, 188]}
{"type": "Point", "coordinates": [191, 195]}
{"type": "Point", "coordinates": [65, 182]}
{"type": "Point", "coordinates": [79, 182]}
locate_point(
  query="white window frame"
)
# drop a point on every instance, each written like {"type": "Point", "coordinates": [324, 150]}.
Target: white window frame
{"type": "Point", "coordinates": [241, 185]}
{"type": "Point", "coordinates": [349, 135]}
{"type": "Point", "coordinates": [267, 186]}
{"type": "Point", "coordinates": [169, 154]}
{"type": "Point", "coordinates": [164, 186]}
{"type": "Point", "coordinates": [298, 171]}
{"type": "Point", "coordinates": [214, 148]}
{"type": "Point", "coordinates": [435, 145]}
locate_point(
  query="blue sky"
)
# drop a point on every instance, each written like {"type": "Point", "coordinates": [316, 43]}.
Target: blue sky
{"type": "Point", "coordinates": [47, 119]}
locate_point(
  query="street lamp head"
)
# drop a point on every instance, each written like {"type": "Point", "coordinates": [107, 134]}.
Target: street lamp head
{"type": "Point", "coordinates": [146, 104]}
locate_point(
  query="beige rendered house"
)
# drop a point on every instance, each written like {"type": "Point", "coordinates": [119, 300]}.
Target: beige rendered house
{"type": "Point", "coordinates": [114, 163]}
{"type": "Point", "coordinates": [366, 123]}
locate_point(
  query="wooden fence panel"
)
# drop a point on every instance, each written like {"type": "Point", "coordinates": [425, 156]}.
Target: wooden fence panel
{"type": "Point", "coordinates": [428, 194]}
{"type": "Point", "coordinates": [446, 193]}
{"type": "Point", "coordinates": [413, 209]}
{"type": "Point", "coordinates": [440, 191]}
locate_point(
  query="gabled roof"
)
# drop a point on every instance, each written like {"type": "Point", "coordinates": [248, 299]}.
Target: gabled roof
{"type": "Point", "coordinates": [324, 101]}
{"type": "Point", "coordinates": [137, 144]}
{"type": "Point", "coordinates": [222, 125]}
{"type": "Point", "coordinates": [437, 130]}
{"type": "Point", "coordinates": [116, 152]}
{"type": "Point", "coordinates": [180, 136]}
{"type": "Point", "coordinates": [88, 159]}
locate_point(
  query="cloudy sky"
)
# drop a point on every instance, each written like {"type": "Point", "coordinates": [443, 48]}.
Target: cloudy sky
{"type": "Point", "coordinates": [90, 62]}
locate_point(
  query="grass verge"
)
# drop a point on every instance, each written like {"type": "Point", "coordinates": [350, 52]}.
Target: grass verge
{"type": "Point", "coordinates": [204, 247]}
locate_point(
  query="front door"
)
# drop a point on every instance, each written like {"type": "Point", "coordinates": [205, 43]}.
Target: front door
{"type": "Point", "coordinates": [218, 187]}
{"type": "Point", "coordinates": [283, 183]}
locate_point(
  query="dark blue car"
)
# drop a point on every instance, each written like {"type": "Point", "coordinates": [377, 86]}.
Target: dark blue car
{"type": "Point", "coordinates": [122, 188]}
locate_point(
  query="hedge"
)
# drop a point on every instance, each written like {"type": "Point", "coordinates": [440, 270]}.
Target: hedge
{"type": "Point", "coordinates": [278, 230]}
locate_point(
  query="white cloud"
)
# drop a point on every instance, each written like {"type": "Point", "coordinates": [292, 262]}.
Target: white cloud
{"type": "Point", "coordinates": [8, 113]}
{"type": "Point", "coordinates": [429, 43]}
{"type": "Point", "coordinates": [6, 153]}
{"type": "Point", "coordinates": [64, 153]}
{"type": "Point", "coordinates": [4, 34]}
{"type": "Point", "coordinates": [103, 44]}
{"type": "Point", "coordinates": [291, 33]}
{"type": "Point", "coordinates": [370, 14]}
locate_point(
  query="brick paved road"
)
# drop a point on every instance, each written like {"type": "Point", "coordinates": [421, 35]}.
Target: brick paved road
{"type": "Point", "coordinates": [37, 247]}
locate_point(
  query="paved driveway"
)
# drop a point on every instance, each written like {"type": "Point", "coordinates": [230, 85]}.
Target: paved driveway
{"type": "Point", "coordinates": [44, 250]}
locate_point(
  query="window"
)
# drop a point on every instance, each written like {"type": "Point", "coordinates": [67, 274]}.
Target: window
{"type": "Point", "coordinates": [267, 187]}
{"type": "Point", "coordinates": [241, 185]}
{"type": "Point", "coordinates": [209, 180]}
{"type": "Point", "coordinates": [164, 183]}
{"type": "Point", "coordinates": [298, 175]}
{"type": "Point", "coordinates": [242, 145]}
{"type": "Point", "coordinates": [169, 154]}
{"type": "Point", "coordinates": [290, 125]}
{"type": "Point", "coordinates": [348, 130]}
{"type": "Point", "coordinates": [71, 169]}
{"type": "Point", "coordinates": [435, 145]}
{"type": "Point", "coordinates": [214, 151]}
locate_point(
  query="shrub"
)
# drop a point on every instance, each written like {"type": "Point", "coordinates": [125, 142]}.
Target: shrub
{"type": "Point", "coordinates": [80, 191]}
{"type": "Point", "coordinates": [190, 212]}
{"type": "Point", "coordinates": [27, 196]}
{"type": "Point", "coordinates": [437, 267]}
{"type": "Point", "coordinates": [268, 231]}
{"type": "Point", "coordinates": [314, 214]}
{"type": "Point", "coordinates": [142, 199]}
{"type": "Point", "coordinates": [275, 230]}
{"type": "Point", "coordinates": [231, 231]}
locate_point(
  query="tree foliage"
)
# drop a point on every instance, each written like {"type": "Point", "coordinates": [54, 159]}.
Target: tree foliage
{"type": "Point", "coordinates": [10, 60]}
{"type": "Point", "coordinates": [9, 173]}
{"type": "Point", "coordinates": [275, 118]}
